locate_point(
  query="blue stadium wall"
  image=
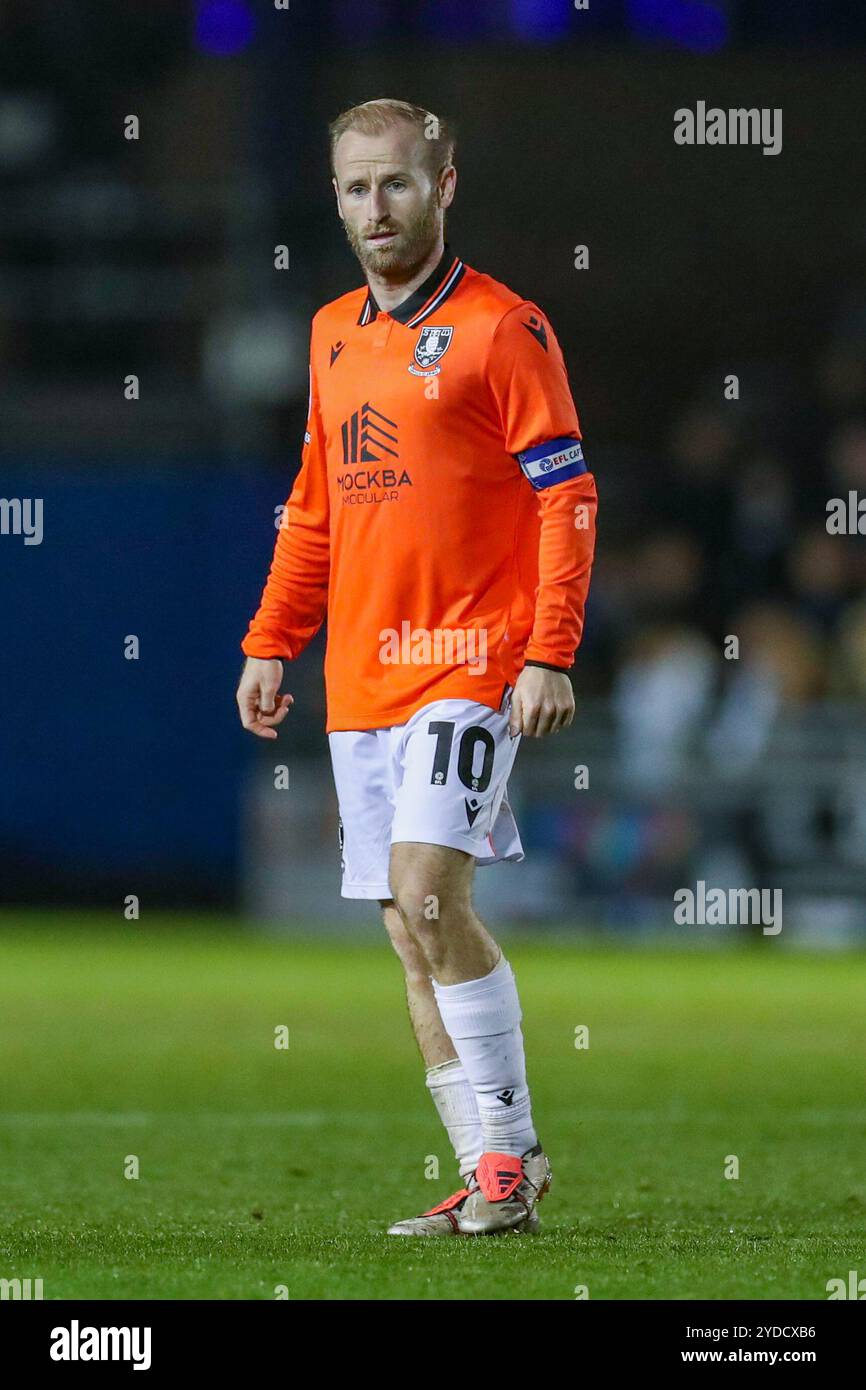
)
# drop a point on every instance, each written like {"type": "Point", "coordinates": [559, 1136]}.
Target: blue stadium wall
{"type": "Point", "coordinates": [122, 776]}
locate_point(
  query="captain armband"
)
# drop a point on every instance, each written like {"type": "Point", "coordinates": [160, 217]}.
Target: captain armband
{"type": "Point", "coordinates": [554, 461]}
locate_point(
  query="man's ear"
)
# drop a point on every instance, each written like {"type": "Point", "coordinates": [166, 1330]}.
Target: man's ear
{"type": "Point", "coordinates": [337, 194]}
{"type": "Point", "coordinates": [446, 185]}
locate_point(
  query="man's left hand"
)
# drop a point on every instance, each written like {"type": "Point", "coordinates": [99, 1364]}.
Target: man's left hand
{"type": "Point", "coordinates": [542, 702]}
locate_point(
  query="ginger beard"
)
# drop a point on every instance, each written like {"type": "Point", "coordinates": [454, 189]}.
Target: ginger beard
{"type": "Point", "coordinates": [400, 258]}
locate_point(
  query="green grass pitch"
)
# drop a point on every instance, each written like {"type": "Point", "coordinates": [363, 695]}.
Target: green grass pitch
{"type": "Point", "coordinates": [262, 1167]}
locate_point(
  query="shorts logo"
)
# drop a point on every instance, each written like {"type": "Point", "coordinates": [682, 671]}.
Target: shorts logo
{"type": "Point", "coordinates": [431, 344]}
{"type": "Point", "coordinates": [473, 806]}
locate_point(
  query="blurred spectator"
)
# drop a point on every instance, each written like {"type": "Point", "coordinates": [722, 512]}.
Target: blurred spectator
{"type": "Point", "coordinates": [660, 698]}
{"type": "Point", "coordinates": [780, 663]}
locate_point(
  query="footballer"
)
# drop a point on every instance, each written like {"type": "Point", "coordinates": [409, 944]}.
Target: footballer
{"type": "Point", "coordinates": [443, 521]}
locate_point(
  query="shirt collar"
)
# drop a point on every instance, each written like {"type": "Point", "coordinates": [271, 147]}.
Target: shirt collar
{"type": "Point", "coordinates": [440, 283]}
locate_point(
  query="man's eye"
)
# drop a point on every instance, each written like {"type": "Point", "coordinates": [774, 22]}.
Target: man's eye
{"type": "Point", "coordinates": [397, 183]}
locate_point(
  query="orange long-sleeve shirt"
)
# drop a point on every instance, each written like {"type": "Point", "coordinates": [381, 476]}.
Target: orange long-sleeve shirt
{"type": "Point", "coordinates": [443, 518]}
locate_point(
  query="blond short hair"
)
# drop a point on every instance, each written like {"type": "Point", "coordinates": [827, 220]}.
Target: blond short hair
{"type": "Point", "coordinates": [375, 117]}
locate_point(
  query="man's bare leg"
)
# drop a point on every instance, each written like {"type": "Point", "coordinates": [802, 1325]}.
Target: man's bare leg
{"type": "Point", "coordinates": [433, 885]}
{"type": "Point", "coordinates": [433, 1042]}
{"type": "Point", "coordinates": [477, 1018]}
{"type": "Point", "coordinates": [446, 1080]}
{"type": "Point", "coordinates": [473, 986]}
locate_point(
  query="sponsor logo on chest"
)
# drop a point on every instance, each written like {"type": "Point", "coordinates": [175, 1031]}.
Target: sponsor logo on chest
{"type": "Point", "coordinates": [369, 437]}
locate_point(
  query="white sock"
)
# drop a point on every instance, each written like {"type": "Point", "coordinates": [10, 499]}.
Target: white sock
{"type": "Point", "coordinates": [482, 1019]}
{"type": "Point", "coordinates": [454, 1099]}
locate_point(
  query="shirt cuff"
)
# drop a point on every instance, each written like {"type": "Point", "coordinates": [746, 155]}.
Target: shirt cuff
{"type": "Point", "coordinates": [546, 666]}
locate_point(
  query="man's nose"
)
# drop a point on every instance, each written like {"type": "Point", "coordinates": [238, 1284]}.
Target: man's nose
{"type": "Point", "coordinates": [378, 207]}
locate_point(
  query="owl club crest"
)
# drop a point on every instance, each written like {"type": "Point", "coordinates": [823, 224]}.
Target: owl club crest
{"type": "Point", "coordinates": [432, 343]}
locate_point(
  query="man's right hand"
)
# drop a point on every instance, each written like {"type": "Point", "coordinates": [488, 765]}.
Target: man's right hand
{"type": "Point", "coordinates": [262, 707]}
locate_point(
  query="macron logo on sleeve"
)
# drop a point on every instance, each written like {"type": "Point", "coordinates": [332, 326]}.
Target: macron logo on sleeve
{"type": "Point", "coordinates": [537, 329]}
{"type": "Point", "coordinates": [552, 462]}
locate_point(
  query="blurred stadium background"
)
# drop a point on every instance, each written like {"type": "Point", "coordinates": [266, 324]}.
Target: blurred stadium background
{"type": "Point", "coordinates": [155, 257]}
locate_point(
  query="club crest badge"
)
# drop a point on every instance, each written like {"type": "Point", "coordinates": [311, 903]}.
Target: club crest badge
{"type": "Point", "coordinates": [431, 344]}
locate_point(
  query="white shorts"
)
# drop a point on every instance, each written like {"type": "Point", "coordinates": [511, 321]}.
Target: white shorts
{"type": "Point", "coordinates": [414, 781]}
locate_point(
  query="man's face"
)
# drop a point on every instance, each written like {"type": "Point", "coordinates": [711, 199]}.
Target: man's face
{"type": "Point", "coordinates": [390, 203]}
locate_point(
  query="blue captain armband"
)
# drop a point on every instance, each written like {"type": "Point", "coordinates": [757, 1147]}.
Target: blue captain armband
{"type": "Point", "coordinates": [552, 462]}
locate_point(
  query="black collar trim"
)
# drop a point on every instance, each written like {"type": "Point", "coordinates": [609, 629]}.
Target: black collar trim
{"type": "Point", "coordinates": [440, 283]}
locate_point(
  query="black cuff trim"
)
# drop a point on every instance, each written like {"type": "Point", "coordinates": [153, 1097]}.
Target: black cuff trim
{"type": "Point", "coordinates": [546, 666]}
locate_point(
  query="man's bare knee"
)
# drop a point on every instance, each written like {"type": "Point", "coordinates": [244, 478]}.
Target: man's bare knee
{"type": "Point", "coordinates": [404, 943]}
{"type": "Point", "coordinates": [429, 882]}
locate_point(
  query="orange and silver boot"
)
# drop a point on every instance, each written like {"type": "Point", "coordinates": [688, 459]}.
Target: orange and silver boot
{"type": "Point", "coordinates": [441, 1220]}
{"type": "Point", "coordinates": [505, 1193]}
{"type": "Point", "coordinates": [523, 1182]}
